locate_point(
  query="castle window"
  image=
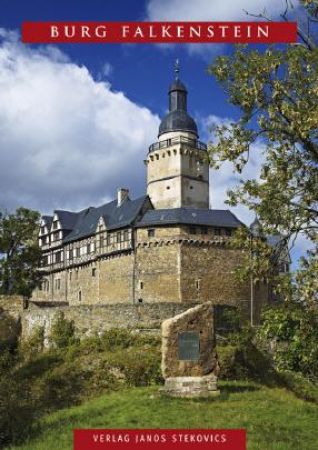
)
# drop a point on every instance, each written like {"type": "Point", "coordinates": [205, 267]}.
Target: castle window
{"type": "Point", "coordinates": [228, 232]}
{"type": "Point", "coordinates": [139, 300]}
{"type": "Point", "coordinates": [76, 274]}
{"type": "Point", "coordinates": [126, 235]}
{"type": "Point", "coordinates": [45, 260]}
{"type": "Point", "coordinates": [198, 284]}
{"type": "Point", "coordinates": [108, 239]}
{"type": "Point", "coordinates": [48, 286]}
{"type": "Point", "coordinates": [168, 187]}
{"type": "Point", "coordinates": [192, 230]}
{"type": "Point", "coordinates": [78, 252]}
{"type": "Point", "coordinates": [217, 231]}
{"type": "Point", "coordinates": [118, 236]}
{"type": "Point", "coordinates": [191, 187]}
{"type": "Point", "coordinates": [80, 296]}
{"type": "Point", "coordinates": [55, 236]}
{"type": "Point", "coordinates": [71, 276]}
{"type": "Point", "coordinates": [42, 230]}
{"type": "Point", "coordinates": [94, 272]}
{"type": "Point", "coordinates": [58, 257]}
{"type": "Point", "coordinates": [58, 284]}
{"type": "Point", "coordinates": [88, 248]}
{"type": "Point", "coordinates": [141, 285]}
{"type": "Point", "coordinates": [204, 230]}
{"type": "Point", "coordinates": [70, 255]}
{"type": "Point", "coordinates": [55, 224]}
{"type": "Point", "coordinates": [151, 232]}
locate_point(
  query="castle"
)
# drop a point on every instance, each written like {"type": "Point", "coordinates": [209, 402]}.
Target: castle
{"type": "Point", "coordinates": [167, 246]}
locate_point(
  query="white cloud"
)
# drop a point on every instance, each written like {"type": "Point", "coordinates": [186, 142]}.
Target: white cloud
{"type": "Point", "coordinates": [66, 140]}
{"type": "Point", "coordinates": [226, 178]}
{"type": "Point", "coordinates": [107, 69]}
{"type": "Point", "coordinates": [212, 10]}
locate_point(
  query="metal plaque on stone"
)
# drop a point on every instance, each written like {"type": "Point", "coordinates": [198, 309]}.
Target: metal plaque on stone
{"type": "Point", "coordinates": [189, 346]}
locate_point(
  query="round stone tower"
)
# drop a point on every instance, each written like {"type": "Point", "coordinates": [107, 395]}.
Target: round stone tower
{"type": "Point", "coordinates": [177, 167]}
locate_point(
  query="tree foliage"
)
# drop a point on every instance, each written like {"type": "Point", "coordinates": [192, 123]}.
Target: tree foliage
{"type": "Point", "coordinates": [276, 92]}
{"type": "Point", "coordinates": [295, 333]}
{"type": "Point", "coordinates": [19, 251]}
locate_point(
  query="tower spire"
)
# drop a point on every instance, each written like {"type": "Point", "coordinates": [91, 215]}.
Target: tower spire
{"type": "Point", "coordinates": [177, 69]}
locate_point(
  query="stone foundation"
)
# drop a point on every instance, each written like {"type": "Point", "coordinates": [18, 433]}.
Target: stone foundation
{"type": "Point", "coordinates": [191, 387]}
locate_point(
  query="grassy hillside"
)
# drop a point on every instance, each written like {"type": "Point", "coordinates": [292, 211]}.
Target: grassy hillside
{"type": "Point", "coordinates": [274, 418]}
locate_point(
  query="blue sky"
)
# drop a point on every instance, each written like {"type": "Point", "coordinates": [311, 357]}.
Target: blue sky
{"type": "Point", "coordinates": [76, 120]}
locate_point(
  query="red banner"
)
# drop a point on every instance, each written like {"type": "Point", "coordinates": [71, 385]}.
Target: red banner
{"type": "Point", "coordinates": [159, 32]}
{"type": "Point", "coordinates": [160, 439]}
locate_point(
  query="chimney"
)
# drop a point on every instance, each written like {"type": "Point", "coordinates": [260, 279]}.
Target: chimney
{"type": "Point", "coordinates": [122, 195]}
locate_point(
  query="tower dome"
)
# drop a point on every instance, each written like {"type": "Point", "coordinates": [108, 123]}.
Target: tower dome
{"type": "Point", "coordinates": [178, 118]}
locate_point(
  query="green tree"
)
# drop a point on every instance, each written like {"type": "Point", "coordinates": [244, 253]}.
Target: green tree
{"type": "Point", "coordinates": [20, 252]}
{"type": "Point", "coordinates": [276, 93]}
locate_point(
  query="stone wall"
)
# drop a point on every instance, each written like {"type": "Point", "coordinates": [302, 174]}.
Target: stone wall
{"type": "Point", "coordinates": [12, 305]}
{"type": "Point", "coordinates": [158, 273]}
{"type": "Point", "coordinates": [208, 274]}
{"type": "Point", "coordinates": [91, 319]}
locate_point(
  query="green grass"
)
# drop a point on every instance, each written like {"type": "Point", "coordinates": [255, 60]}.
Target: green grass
{"type": "Point", "coordinates": [274, 418]}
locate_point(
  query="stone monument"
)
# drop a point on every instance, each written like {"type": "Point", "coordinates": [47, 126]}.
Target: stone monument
{"type": "Point", "coordinates": [189, 360]}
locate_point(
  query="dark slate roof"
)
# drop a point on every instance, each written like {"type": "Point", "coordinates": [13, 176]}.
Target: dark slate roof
{"type": "Point", "coordinates": [212, 217]}
{"type": "Point", "coordinates": [178, 120]}
{"type": "Point", "coordinates": [48, 220]}
{"type": "Point", "coordinates": [114, 216]}
{"type": "Point", "coordinates": [177, 85]}
{"type": "Point", "coordinates": [67, 218]}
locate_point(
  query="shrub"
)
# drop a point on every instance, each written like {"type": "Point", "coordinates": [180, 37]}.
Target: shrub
{"type": "Point", "coordinates": [116, 338]}
{"type": "Point", "coordinates": [62, 332]}
{"type": "Point", "coordinates": [240, 358]}
{"type": "Point", "coordinates": [34, 344]}
{"type": "Point", "coordinates": [9, 331]}
{"type": "Point", "coordinates": [227, 318]}
{"type": "Point", "coordinates": [18, 410]}
{"type": "Point", "coordinates": [141, 367]}
{"type": "Point", "coordinates": [292, 333]}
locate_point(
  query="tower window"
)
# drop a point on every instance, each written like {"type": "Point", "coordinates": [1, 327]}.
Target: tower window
{"type": "Point", "coordinates": [204, 230]}
{"type": "Point", "coordinates": [80, 296]}
{"type": "Point", "coordinates": [217, 231]}
{"type": "Point", "coordinates": [228, 232]}
{"type": "Point", "coordinates": [191, 187]}
{"type": "Point", "coordinates": [192, 230]}
{"type": "Point", "coordinates": [168, 187]}
{"type": "Point", "coordinates": [141, 285]}
{"type": "Point", "coordinates": [94, 272]}
{"type": "Point", "coordinates": [198, 284]}
{"type": "Point", "coordinates": [151, 232]}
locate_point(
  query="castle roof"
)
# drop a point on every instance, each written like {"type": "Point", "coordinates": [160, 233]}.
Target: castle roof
{"type": "Point", "coordinates": [208, 217]}
{"type": "Point", "coordinates": [114, 217]}
{"type": "Point", "coordinates": [178, 118]}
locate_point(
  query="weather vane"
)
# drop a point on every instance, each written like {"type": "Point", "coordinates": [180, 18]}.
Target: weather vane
{"type": "Point", "coordinates": [177, 68]}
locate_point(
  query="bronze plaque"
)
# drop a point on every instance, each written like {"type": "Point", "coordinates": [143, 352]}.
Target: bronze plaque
{"type": "Point", "coordinates": [189, 346]}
